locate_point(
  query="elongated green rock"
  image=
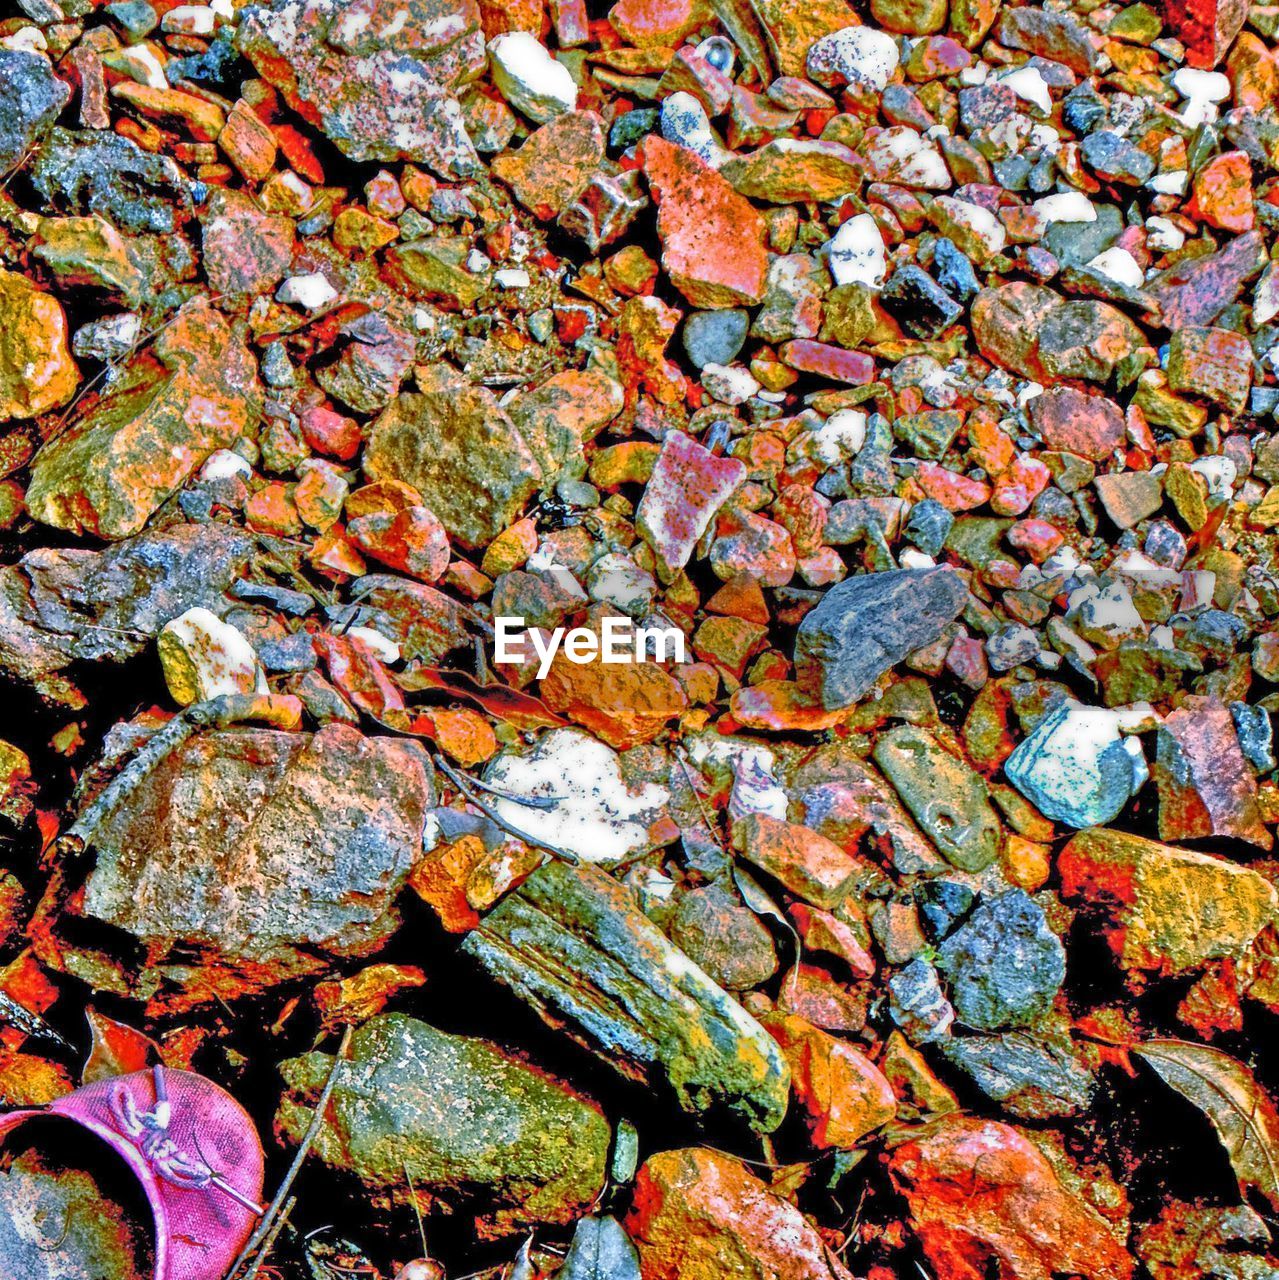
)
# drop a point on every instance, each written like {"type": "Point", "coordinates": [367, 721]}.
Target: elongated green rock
{"type": "Point", "coordinates": [572, 942]}
{"type": "Point", "coordinates": [465, 1121]}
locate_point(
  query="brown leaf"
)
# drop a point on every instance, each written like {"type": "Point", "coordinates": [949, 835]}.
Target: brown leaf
{"type": "Point", "coordinates": [116, 1050]}
{"type": "Point", "coordinates": [1226, 1091]}
{"type": "Point", "coordinates": [519, 709]}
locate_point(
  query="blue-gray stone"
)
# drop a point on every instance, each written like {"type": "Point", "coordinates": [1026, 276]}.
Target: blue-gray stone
{"type": "Point", "coordinates": [917, 1003]}
{"type": "Point", "coordinates": [31, 97]}
{"type": "Point", "coordinates": [928, 526]}
{"type": "Point", "coordinates": [955, 273]}
{"type": "Point", "coordinates": [1003, 965]}
{"type": "Point", "coordinates": [1076, 768]}
{"type": "Point", "coordinates": [715, 337]}
{"type": "Point", "coordinates": [1256, 737]}
{"type": "Point", "coordinates": [1030, 1078]}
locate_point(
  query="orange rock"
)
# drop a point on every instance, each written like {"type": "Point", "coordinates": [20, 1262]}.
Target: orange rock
{"type": "Point", "coordinates": [807, 864]}
{"type": "Point", "coordinates": [1253, 72]}
{"type": "Point", "coordinates": [248, 142]}
{"type": "Point", "coordinates": [555, 165]}
{"type": "Point", "coordinates": [650, 23]}
{"type": "Point", "coordinates": [984, 1200]}
{"type": "Point", "coordinates": [781, 704]}
{"type": "Point", "coordinates": [440, 881]}
{"type": "Point", "coordinates": [713, 239]}
{"type": "Point", "coordinates": [844, 1093]}
{"type": "Point", "coordinates": [623, 703]}
{"type": "Point", "coordinates": [36, 370]}
{"type": "Point", "coordinates": [464, 735]}
{"type": "Point", "coordinates": [699, 1215]}
{"type": "Point", "coordinates": [1223, 193]}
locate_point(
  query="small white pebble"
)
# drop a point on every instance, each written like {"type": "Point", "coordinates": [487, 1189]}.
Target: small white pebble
{"type": "Point", "coordinates": [311, 292]}
{"type": "Point", "coordinates": [189, 20]}
{"type": "Point", "coordinates": [1066, 206]}
{"type": "Point", "coordinates": [1029, 85]}
{"type": "Point", "coordinates": [1171, 183]}
{"type": "Point", "coordinates": [223, 464]}
{"type": "Point", "coordinates": [386, 650]}
{"type": "Point", "coordinates": [529, 78]}
{"type": "Point", "coordinates": [1164, 235]}
{"type": "Point", "coordinates": [856, 253]}
{"type": "Point", "coordinates": [1120, 266]}
{"type": "Point", "coordinates": [511, 278]}
{"type": "Point", "coordinates": [476, 262]}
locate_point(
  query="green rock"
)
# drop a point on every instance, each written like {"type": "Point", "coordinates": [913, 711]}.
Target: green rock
{"type": "Point", "coordinates": [572, 942]}
{"type": "Point", "coordinates": [89, 253]}
{"type": "Point", "coordinates": [848, 317]}
{"type": "Point", "coordinates": [977, 540]}
{"type": "Point", "coordinates": [1138, 24]}
{"type": "Point", "coordinates": [947, 798]}
{"type": "Point", "coordinates": [435, 269]}
{"type": "Point", "coordinates": [929, 433]}
{"type": "Point", "coordinates": [460, 450]}
{"type": "Point", "coordinates": [913, 17]}
{"type": "Point", "coordinates": [474, 1128]}
{"type": "Point", "coordinates": [1143, 673]}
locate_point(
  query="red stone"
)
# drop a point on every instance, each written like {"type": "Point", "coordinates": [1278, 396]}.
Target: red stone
{"type": "Point", "coordinates": [828, 361]}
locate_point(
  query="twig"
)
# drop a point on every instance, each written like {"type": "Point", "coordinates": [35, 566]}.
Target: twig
{"type": "Point", "coordinates": [269, 1243]}
{"type": "Point", "coordinates": [463, 784]}
{"type": "Point", "coordinates": [265, 1226]}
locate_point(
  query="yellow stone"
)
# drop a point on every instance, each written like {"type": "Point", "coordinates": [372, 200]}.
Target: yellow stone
{"type": "Point", "coordinates": [36, 370]}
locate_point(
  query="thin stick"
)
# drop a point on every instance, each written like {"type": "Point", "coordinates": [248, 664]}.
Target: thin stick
{"type": "Point", "coordinates": [269, 1243]}
{"type": "Point", "coordinates": [462, 783]}
{"type": "Point", "coordinates": [308, 1139]}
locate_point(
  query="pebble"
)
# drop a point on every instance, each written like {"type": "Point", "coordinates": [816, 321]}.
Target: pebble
{"type": "Point", "coordinates": [530, 79]}
{"type": "Point", "coordinates": [856, 253]}
{"type": "Point", "coordinates": [858, 56]}
{"type": "Point", "coordinates": [204, 657]}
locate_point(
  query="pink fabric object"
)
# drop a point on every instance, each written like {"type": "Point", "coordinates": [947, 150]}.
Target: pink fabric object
{"type": "Point", "coordinates": [195, 1152]}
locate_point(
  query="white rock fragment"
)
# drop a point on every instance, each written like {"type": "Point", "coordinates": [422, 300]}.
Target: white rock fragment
{"type": "Point", "coordinates": [837, 440]}
{"type": "Point", "coordinates": [901, 155]}
{"type": "Point", "coordinates": [204, 657]}
{"type": "Point", "coordinates": [1065, 206]}
{"type": "Point", "coordinates": [380, 646]}
{"type": "Point", "coordinates": [310, 292]}
{"type": "Point", "coordinates": [189, 20]}
{"type": "Point", "coordinates": [1120, 266]}
{"type": "Point", "coordinates": [1030, 86]}
{"type": "Point", "coordinates": [140, 63]}
{"type": "Point", "coordinates": [912, 558]}
{"type": "Point", "coordinates": [529, 78]}
{"type": "Point", "coordinates": [1165, 236]}
{"type": "Point", "coordinates": [1105, 613]}
{"type": "Point", "coordinates": [1265, 298]}
{"type": "Point", "coordinates": [730, 384]}
{"type": "Point", "coordinates": [1171, 182]}
{"type": "Point", "coordinates": [617, 580]}
{"type": "Point", "coordinates": [856, 252]}
{"type": "Point", "coordinates": [224, 464]}
{"type": "Point", "coordinates": [1219, 473]}
{"type": "Point", "coordinates": [511, 278]}
{"type": "Point", "coordinates": [747, 769]}
{"type": "Point", "coordinates": [684, 122]}
{"type": "Point", "coordinates": [592, 812]}
{"type": "Point", "coordinates": [1202, 90]}
{"type": "Point", "coordinates": [859, 56]}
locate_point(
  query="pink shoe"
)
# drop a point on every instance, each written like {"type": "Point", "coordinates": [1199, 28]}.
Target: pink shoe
{"type": "Point", "coordinates": [195, 1152]}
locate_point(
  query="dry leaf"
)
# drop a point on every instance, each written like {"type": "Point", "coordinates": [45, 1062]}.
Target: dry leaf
{"type": "Point", "coordinates": [1241, 1111]}
{"type": "Point", "coordinates": [115, 1050]}
{"type": "Point", "coordinates": [522, 710]}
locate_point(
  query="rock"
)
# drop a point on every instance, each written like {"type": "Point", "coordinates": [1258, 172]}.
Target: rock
{"type": "Point", "coordinates": [529, 78]}
{"type": "Point", "coordinates": [63, 606]}
{"type": "Point", "coordinates": [946, 797]}
{"type": "Point", "coordinates": [1112, 157]}
{"type": "Point", "coordinates": [712, 238]}
{"type": "Point", "coordinates": [1129, 496]}
{"type": "Point", "coordinates": [697, 1213]}
{"type": "Point", "coordinates": [1056, 36]}
{"type": "Point", "coordinates": [423, 622]}
{"type": "Point", "coordinates": [1073, 422]}
{"type": "Point", "coordinates": [860, 57]}
{"type": "Point", "coordinates": [1085, 339]}
{"type": "Point", "coordinates": [723, 937]}
{"type": "Point", "coordinates": [688, 486]}
{"type": "Point", "coordinates": [1206, 27]}
{"type": "Point", "coordinates": [1006, 324]}
{"type": "Point", "coordinates": [1206, 787]}
{"type": "Point", "coordinates": [1076, 767]}
{"type": "Point", "coordinates": [555, 164]}
{"type": "Point", "coordinates": [866, 624]}
{"type": "Point", "coordinates": [1170, 910]}
{"type": "Point", "coordinates": [789, 169]}
{"type": "Point", "coordinates": [917, 1003]}
{"type": "Point", "coordinates": [1030, 1077]}
{"type": "Point", "coordinates": [561, 416]}
{"type": "Point", "coordinates": [843, 1093]}
{"type": "Point", "coordinates": [572, 943]}
{"type": "Point", "coordinates": [31, 99]}
{"type": "Point", "coordinates": [664, 23]}
{"type": "Point", "coordinates": [597, 816]}
{"type": "Point", "coordinates": [381, 87]}
{"type": "Point", "coordinates": [715, 337]}
{"type": "Point", "coordinates": [464, 455]}
{"type": "Point", "coordinates": [36, 370]}
{"type": "Point", "coordinates": [793, 29]}
{"type": "Point", "coordinates": [856, 253]}
{"type": "Point", "coordinates": [204, 657]}
{"type": "Point", "coordinates": [918, 303]}
{"type": "Point", "coordinates": [1197, 290]}
{"type": "Point", "coordinates": [804, 862]}
{"type": "Point", "coordinates": [1004, 965]}
{"type": "Point", "coordinates": [86, 171]}
{"type": "Point", "coordinates": [246, 251]}
{"type": "Point", "coordinates": [600, 1248]}
{"type": "Point", "coordinates": [624, 704]}
{"type": "Point", "coordinates": [262, 852]}
{"type": "Point", "coordinates": [451, 1124]}
{"type": "Point", "coordinates": [981, 1190]}
{"type": "Point", "coordinates": [912, 17]}
{"type": "Point", "coordinates": [1213, 363]}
